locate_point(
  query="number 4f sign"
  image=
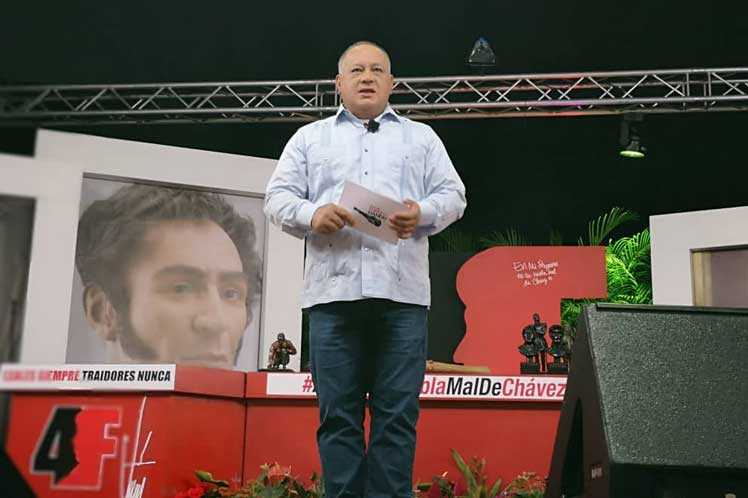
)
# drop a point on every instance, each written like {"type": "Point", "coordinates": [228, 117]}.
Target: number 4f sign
{"type": "Point", "coordinates": [74, 445]}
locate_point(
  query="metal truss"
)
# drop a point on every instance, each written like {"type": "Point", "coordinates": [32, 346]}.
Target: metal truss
{"type": "Point", "coordinates": [450, 97]}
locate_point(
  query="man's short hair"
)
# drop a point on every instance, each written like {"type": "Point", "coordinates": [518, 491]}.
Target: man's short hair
{"type": "Point", "coordinates": [358, 44]}
{"type": "Point", "coordinates": [110, 232]}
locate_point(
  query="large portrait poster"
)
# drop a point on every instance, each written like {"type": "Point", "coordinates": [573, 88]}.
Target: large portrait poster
{"type": "Point", "coordinates": [166, 273]}
{"type": "Point", "coordinates": [71, 173]}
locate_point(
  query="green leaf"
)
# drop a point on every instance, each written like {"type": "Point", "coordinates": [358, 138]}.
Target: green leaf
{"type": "Point", "coordinates": [423, 486]}
{"type": "Point", "coordinates": [494, 489]}
{"type": "Point", "coordinates": [628, 264]}
{"type": "Point", "coordinates": [265, 468]}
{"type": "Point", "coordinates": [571, 308]}
{"type": "Point", "coordinates": [599, 229]}
{"type": "Point", "coordinates": [204, 476]}
{"type": "Point", "coordinates": [555, 238]}
{"type": "Point", "coordinates": [300, 490]}
{"type": "Point", "coordinates": [509, 237]}
{"type": "Point", "coordinates": [272, 491]}
{"type": "Point", "coordinates": [465, 470]}
{"type": "Point", "coordinates": [453, 239]}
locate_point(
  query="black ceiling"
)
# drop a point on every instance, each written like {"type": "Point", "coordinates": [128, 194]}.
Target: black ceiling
{"type": "Point", "coordinates": [97, 42]}
{"type": "Point", "coordinates": [529, 173]}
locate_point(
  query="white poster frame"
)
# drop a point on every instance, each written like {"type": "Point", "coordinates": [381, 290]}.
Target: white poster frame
{"type": "Point", "coordinates": [54, 177]}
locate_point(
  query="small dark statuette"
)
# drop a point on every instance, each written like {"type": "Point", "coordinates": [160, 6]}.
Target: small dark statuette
{"type": "Point", "coordinates": [530, 351]}
{"type": "Point", "coordinates": [558, 351]}
{"type": "Point", "coordinates": [539, 329]}
{"type": "Point", "coordinates": [280, 353]}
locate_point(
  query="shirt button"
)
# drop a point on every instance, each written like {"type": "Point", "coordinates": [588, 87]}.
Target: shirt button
{"type": "Point", "coordinates": [366, 150]}
{"type": "Point", "coordinates": [366, 172]}
{"type": "Point", "coordinates": [366, 249]}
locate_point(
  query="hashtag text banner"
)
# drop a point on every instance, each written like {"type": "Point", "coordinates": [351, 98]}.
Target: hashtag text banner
{"type": "Point", "coordinates": [500, 388]}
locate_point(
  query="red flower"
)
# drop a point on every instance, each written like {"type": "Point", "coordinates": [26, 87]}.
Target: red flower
{"type": "Point", "coordinates": [196, 492]}
{"type": "Point", "coordinates": [276, 473]}
{"type": "Point", "coordinates": [181, 494]}
{"type": "Point", "coordinates": [439, 486]}
{"type": "Point", "coordinates": [460, 489]}
{"type": "Point", "coordinates": [434, 491]}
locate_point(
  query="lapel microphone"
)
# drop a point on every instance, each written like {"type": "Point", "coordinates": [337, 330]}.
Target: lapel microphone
{"type": "Point", "coordinates": [372, 126]}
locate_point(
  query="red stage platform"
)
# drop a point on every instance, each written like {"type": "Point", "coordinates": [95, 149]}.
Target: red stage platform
{"type": "Point", "coordinates": [513, 430]}
{"type": "Point", "coordinates": [106, 438]}
{"type": "Point", "coordinates": [120, 438]}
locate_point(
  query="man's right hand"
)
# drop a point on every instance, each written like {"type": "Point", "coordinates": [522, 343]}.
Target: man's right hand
{"type": "Point", "coordinates": [331, 218]}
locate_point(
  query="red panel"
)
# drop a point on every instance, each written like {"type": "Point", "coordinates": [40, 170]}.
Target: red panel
{"type": "Point", "coordinates": [210, 381]}
{"type": "Point", "coordinates": [256, 385]}
{"type": "Point", "coordinates": [200, 432]}
{"type": "Point", "coordinates": [284, 432]}
{"type": "Point", "coordinates": [503, 286]}
{"type": "Point", "coordinates": [167, 436]}
{"type": "Point", "coordinates": [512, 437]}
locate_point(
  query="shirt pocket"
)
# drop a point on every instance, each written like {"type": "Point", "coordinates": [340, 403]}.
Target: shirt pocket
{"type": "Point", "coordinates": [406, 170]}
{"type": "Point", "coordinates": [328, 169]}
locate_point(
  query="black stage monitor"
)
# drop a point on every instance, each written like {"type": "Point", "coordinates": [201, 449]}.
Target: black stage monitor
{"type": "Point", "coordinates": [656, 405]}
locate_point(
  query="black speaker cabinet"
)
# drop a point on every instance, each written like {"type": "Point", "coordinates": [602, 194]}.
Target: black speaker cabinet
{"type": "Point", "coordinates": [656, 405]}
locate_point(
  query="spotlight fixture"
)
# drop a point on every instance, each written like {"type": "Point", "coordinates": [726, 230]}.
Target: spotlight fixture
{"type": "Point", "coordinates": [481, 56]}
{"type": "Point", "coordinates": [630, 139]}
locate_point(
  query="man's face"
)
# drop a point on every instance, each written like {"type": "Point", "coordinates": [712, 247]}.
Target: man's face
{"type": "Point", "coordinates": [365, 82]}
{"type": "Point", "coordinates": [187, 294]}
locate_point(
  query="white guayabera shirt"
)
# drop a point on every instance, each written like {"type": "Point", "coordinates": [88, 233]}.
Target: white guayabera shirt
{"type": "Point", "coordinates": [404, 159]}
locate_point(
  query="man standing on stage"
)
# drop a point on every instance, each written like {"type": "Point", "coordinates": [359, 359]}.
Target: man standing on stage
{"type": "Point", "coordinates": [367, 299]}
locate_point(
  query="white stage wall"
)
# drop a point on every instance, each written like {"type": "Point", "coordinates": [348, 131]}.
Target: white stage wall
{"type": "Point", "coordinates": [53, 178]}
{"type": "Point", "coordinates": [674, 236]}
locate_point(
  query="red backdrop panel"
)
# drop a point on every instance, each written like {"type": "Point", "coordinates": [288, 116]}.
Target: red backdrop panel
{"type": "Point", "coordinates": [113, 441]}
{"type": "Point", "coordinates": [513, 437]}
{"type": "Point", "coordinates": [503, 286]}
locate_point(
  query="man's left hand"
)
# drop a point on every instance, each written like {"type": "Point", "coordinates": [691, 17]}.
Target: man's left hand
{"type": "Point", "coordinates": [405, 222]}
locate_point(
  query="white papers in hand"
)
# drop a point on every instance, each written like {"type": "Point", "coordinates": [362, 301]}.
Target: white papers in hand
{"type": "Point", "coordinates": [370, 211]}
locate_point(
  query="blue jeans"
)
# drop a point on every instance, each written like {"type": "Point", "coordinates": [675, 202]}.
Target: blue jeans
{"type": "Point", "coordinates": [375, 347]}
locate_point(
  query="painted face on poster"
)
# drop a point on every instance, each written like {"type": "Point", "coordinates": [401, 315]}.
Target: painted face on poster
{"type": "Point", "coordinates": [168, 275]}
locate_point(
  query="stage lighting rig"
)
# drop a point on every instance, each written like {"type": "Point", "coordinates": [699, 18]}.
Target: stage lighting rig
{"type": "Point", "coordinates": [631, 136]}
{"type": "Point", "coordinates": [481, 56]}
